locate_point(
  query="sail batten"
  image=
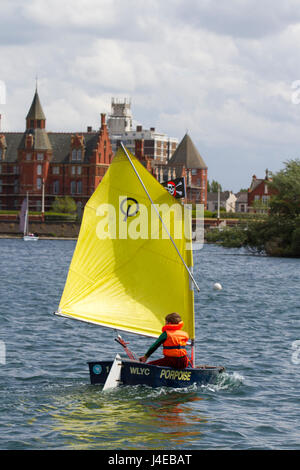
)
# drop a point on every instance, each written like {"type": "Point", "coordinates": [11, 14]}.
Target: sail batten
{"type": "Point", "coordinates": [119, 277]}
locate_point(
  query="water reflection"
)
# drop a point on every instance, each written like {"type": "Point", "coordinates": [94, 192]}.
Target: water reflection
{"type": "Point", "coordinates": [127, 418]}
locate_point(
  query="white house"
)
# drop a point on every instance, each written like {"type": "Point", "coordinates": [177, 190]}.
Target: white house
{"type": "Point", "coordinates": [227, 201]}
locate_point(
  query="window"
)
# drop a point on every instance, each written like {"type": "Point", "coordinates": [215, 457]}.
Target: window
{"type": "Point", "coordinates": [40, 157]}
{"type": "Point", "coordinates": [55, 170]}
{"type": "Point", "coordinates": [32, 123]}
{"type": "Point", "coordinates": [265, 200]}
{"type": "Point", "coordinates": [0, 168]}
{"type": "Point", "coordinates": [16, 186]}
{"type": "Point", "coordinates": [79, 187]}
{"type": "Point", "coordinates": [73, 187]}
{"type": "Point", "coordinates": [39, 169]}
{"type": "Point", "coordinates": [16, 169]}
{"type": "Point", "coordinates": [1, 153]}
{"type": "Point", "coordinates": [39, 122]}
{"type": "Point", "coordinates": [194, 171]}
{"type": "Point", "coordinates": [38, 205]}
{"type": "Point", "coordinates": [73, 170]}
{"type": "Point", "coordinates": [28, 156]}
{"type": "Point", "coordinates": [0, 186]}
{"type": "Point", "coordinates": [56, 187]}
{"type": "Point", "coordinates": [79, 170]}
{"type": "Point", "coordinates": [266, 189]}
{"type": "Point", "coordinates": [257, 197]}
{"type": "Point", "coordinates": [39, 183]}
{"type": "Point", "coordinates": [76, 155]}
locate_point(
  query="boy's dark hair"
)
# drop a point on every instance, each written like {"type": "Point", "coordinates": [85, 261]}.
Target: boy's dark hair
{"type": "Point", "coordinates": [173, 318]}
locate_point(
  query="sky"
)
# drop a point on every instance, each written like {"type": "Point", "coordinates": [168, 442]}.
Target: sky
{"type": "Point", "coordinates": [228, 73]}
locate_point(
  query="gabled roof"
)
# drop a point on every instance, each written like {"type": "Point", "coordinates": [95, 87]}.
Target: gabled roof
{"type": "Point", "coordinates": [224, 195]}
{"type": "Point", "coordinates": [13, 141]}
{"type": "Point", "coordinates": [36, 110]}
{"type": "Point", "coordinates": [242, 197]}
{"type": "Point", "coordinates": [187, 155]}
{"type": "Point", "coordinates": [61, 145]}
{"type": "Point", "coordinates": [255, 182]}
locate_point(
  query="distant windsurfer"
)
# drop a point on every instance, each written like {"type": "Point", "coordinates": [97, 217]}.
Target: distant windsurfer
{"type": "Point", "coordinates": [174, 340]}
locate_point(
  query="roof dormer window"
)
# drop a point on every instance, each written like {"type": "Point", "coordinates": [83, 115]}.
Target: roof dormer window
{"type": "Point", "coordinates": [76, 155]}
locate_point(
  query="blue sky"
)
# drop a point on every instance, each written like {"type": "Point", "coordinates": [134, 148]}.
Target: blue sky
{"type": "Point", "coordinates": [223, 71]}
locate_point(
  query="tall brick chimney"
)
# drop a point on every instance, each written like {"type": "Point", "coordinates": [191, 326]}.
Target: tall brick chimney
{"type": "Point", "coordinates": [139, 149]}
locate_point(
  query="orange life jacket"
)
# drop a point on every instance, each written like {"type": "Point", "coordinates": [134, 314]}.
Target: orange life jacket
{"type": "Point", "coordinates": [175, 344]}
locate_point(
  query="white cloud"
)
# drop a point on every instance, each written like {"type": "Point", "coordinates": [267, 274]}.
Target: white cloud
{"type": "Point", "coordinates": [221, 70]}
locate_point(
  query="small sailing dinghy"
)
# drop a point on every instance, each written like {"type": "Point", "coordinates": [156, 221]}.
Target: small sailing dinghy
{"type": "Point", "coordinates": [130, 268]}
{"type": "Point", "coordinates": [24, 222]}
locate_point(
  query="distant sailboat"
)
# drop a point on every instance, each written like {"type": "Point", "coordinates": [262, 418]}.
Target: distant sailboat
{"type": "Point", "coordinates": [130, 283]}
{"type": "Point", "coordinates": [24, 222]}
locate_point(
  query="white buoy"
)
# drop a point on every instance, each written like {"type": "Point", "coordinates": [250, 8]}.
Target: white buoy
{"type": "Point", "coordinates": [217, 286]}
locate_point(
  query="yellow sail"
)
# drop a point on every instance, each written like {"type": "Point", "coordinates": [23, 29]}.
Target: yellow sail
{"type": "Point", "coordinates": [125, 272]}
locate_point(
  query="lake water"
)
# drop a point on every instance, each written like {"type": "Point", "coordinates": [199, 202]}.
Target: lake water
{"type": "Point", "coordinates": [251, 327]}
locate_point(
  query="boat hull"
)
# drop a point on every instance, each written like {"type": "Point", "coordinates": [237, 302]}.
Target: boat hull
{"type": "Point", "coordinates": [137, 373]}
{"type": "Point", "coordinates": [30, 238]}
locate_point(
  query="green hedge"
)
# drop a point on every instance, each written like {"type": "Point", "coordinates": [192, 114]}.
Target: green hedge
{"type": "Point", "coordinates": [50, 216]}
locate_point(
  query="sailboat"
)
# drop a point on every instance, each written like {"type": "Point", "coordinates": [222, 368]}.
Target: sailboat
{"type": "Point", "coordinates": [24, 222]}
{"type": "Point", "coordinates": [132, 266]}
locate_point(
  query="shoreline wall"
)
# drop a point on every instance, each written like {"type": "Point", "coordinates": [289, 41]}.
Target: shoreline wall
{"type": "Point", "coordinates": [43, 229]}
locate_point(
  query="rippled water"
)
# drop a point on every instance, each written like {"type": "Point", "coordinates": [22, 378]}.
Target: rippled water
{"type": "Point", "coordinates": [250, 327]}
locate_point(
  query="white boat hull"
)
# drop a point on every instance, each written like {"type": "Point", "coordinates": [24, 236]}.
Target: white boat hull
{"type": "Point", "coordinates": [28, 238]}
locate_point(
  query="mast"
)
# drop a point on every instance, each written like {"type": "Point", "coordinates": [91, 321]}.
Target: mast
{"type": "Point", "coordinates": [43, 200]}
{"type": "Point", "coordinates": [218, 215]}
{"type": "Point", "coordinates": [26, 215]}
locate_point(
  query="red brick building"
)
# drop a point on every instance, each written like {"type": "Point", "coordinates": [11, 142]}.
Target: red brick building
{"type": "Point", "coordinates": [59, 164]}
{"type": "Point", "coordinates": [259, 194]}
{"type": "Point", "coordinates": [66, 163]}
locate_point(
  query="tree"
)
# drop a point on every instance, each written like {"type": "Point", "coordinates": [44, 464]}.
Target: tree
{"type": "Point", "coordinates": [286, 185]}
{"type": "Point", "coordinates": [214, 186]}
{"type": "Point", "coordinates": [65, 205]}
{"type": "Point", "coordinates": [279, 233]}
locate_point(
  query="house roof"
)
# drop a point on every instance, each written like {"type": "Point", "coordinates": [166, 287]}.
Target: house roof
{"type": "Point", "coordinates": [12, 143]}
{"type": "Point", "coordinates": [242, 197]}
{"type": "Point", "coordinates": [58, 142]}
{"type": "Point", "coordinates": [36, 110]}
{"type": "Point", "coordinates": [187, 155]}
{"type": "Point", "coordinates": [61, 145]}
{"type": "Point", "coordinates": [40, 139]}
{"type": "Point", "coordinates": [255, 182]}
{"type": "Point", "coordinates": [213, 197]}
